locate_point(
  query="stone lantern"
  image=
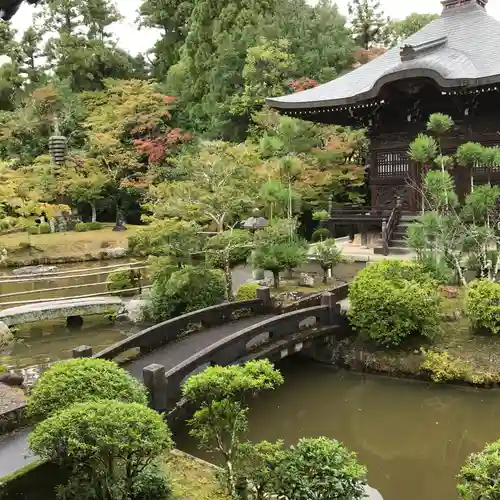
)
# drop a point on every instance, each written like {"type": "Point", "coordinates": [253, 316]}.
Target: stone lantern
{"type": "Point", "coordinates": [58, 146]}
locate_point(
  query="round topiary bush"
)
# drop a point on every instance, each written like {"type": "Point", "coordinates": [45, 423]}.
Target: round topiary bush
{"type": "Point", "coordinates": [107, 446]}
{"type": "Point", "coordinates": [188, 289]}
{"type": "Point", "coordinates": [122, 279]}
{"type": "Point", "coordinates": [320, 468]}
{"type": "Point", "coordinates": [483, 305]}
{"type": "Point", "coordinates": [480, 476]}
{"type": "Point", "coordinates": [393, 300]}
{"type": "Point", "coordinates": [237, 242]}
{"type": "Point", "coordinates": [321, 234]}
{"type": "Point", "coordinates": [247, 291]}
{"type": "Point", "coordinates": [82, 379]}
{"type": "Point", "coordinates": [44, 228]}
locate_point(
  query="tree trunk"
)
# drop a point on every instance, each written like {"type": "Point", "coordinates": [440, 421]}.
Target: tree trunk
{"type": "Point", "coordinates": [325, 275]}
{"type": "Point", "coordinates": [276, 277]}
{"type": "Point", "coordinates": [94, 211]}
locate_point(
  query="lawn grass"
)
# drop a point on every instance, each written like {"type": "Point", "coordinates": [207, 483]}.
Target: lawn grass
{"type": "Point", "coordinates": [192, 479]}
{"type": "Point", "coordinates": [25, 248]}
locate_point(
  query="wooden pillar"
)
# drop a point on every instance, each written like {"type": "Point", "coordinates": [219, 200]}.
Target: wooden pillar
{"type": "Point", "coordinates": [364, 235]}
{"type": "Point", "coordinates": [156, 383]}
{"type": "Point", "coordinates": [352, 232]}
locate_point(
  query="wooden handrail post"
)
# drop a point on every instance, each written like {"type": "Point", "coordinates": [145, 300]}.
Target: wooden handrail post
{"type": "Point", "coordinates": [385, 243]}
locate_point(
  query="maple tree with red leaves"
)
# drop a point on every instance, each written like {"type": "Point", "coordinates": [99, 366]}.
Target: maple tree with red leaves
{"type": "Point", "coordinates": [303, 83]}
{"type": "Point", "coordinates": [157, 149]}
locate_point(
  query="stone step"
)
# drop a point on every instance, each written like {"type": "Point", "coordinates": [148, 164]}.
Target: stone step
{"type": "Point", "coordinates": [409, 218]}
{"type": "Point", "coordinates": [398, 243]}
{"type": "Point", "coordinates": [399, 251]}
{"type": "Point", "coordinates": [399, 235]}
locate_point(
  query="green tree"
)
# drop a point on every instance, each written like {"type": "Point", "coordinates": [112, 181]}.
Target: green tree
{"type": "Point", "coordinates": [172, 18]}
{"type": "Point", "coordinates": [79, 48]}
{"type": "Point", "coordinates": [108, 446]}
{"type": "Point", "coordinates": [79, 380]}
{"type": "Point", "coordinates": [276, 257]}
{"type": "Point", "coordinates": [479, 476]}
{"type": "Point", "coordinates": [401, 29]}
{"type": "Point", "coordinates": [208, 192]}
{"type": "Point", "coordinates": [267, 71]}
{"type": "Point", "coordinates": [328, 255]}
{"type": "Point", "coordinates": [470, 155]}
{"type": "Point", "coordinates": [84, 183]}
{"type": "Point", "coordinates": [173, 238]}
{"type": "Point", "coordinates": [368, 22]}
{"type": "Point", "coordinates": [320, 468]}
{"type": "Point", "coordinates": [185, 290]}
{"type": "Point", "coordinates": [221, 394]}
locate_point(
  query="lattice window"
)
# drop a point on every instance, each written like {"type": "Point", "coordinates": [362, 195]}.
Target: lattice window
{"type": "Point", "coordinates": [392, 164]}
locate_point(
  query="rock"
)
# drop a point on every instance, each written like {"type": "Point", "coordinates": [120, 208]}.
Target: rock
{"type": "Point", "coordinates": [135, 310]}
{"type": "Point", "coordinates": [12, 379]}
{"type": "Point", "coordinates": [115, 253]}
{"type": "Point", "coordinates": [306, 280]}
{"type": "Point", "coordinates": [258, 274]}
{"type": "Point", "coordinates": [6, 336]}
{"type": "Point", "coordinates": [372, 494]}
{"type": "Point", "coordinates": [34, 270]}
{"type": "Point", "coordinates": [4, 329]}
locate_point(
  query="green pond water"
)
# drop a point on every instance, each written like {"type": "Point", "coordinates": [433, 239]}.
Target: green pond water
{"type": "Point", "coordinates": [412, 436]}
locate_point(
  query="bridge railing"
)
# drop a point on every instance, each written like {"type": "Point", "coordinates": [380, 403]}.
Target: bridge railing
{"type": "Point", "coordinates": [165, 388]}
{"type": "Point", "coordinates": [169, 331]}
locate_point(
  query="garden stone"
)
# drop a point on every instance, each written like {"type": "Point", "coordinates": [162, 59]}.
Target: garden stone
{"type": "Point", "coordinates": [135, 310]}
{"type": "Point", "coordinates": [12, 379]}
{"type": "Point", "coordinates": [115, 253]}
{"type": "Point", "coordinates": [34, 270]}
{"type": "Point", "coordinates": [4, 330]}
{"type": "Point", "coordinates": [306, 280]}
{"type": "Point", "coordinates": [258, 274]}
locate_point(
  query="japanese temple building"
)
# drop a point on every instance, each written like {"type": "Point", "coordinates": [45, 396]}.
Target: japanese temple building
{"type": "Point", "coordinates": [451, 66]}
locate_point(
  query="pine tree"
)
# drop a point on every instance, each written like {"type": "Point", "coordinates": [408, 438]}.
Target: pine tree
{"type": "Point", "coordinates": [368, 22]}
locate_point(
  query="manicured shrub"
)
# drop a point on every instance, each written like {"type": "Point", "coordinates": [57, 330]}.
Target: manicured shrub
{"type": "Point", "coordinates": [83, 227]}
{"type": "Point", "coordinates": [107, 446]}
{"type": "Point", "coordinates": [320, 468]}
{"type": "Point", "coordinates": [82, 379]}
{"type": "Point", "coordinates": [443, 367]}
{"type": "Point", "coordinates": [32, 230]}
{"type": "Point", "coordinates": [238, 244]}
{"type": "Point", "coordinates": [320, 234]}
{"type": "Point", "coordinates": [479, 478]}
{"type": "Point", "coordinates": [121, 279]}
{"type": "Point", "coordinates": [188, 289]}
{"type": "Point", "coordinates": [483, 305]}
{"type": "Point", "coordinates": [393, 300]}
{"type": "Point", "coordinates": [247, 291]}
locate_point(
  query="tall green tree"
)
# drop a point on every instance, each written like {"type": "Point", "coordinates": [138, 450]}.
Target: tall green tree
{"type": "Point", "coordinates": [79, 48]}
{"type": "Point", "coordinates": [368, 22]}
{"type": "Point", "coordinates": [401, 29]}
{"type": "Point", "coordinates": [172, 18]}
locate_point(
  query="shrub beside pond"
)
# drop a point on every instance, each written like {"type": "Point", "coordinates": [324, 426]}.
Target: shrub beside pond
{"type": "Point", "coordinates": [483, 305]}
{"type": "Point", "coordinates": [121, 279]}
{"type": "Point", "coordinates": [393, 300]}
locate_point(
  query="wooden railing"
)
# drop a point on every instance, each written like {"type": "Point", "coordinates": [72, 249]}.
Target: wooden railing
{"type": "Point", "coordinates": [390, 225]}
{"type": "Point", "coordinates": [347, 210]}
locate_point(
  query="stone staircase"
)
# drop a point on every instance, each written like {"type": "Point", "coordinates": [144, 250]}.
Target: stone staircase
{"type": "Point", "coordinates": [398, 244]}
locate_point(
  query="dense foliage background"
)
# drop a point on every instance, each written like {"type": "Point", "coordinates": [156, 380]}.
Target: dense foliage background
{"type": "Point", "coordinates": [186, 120]}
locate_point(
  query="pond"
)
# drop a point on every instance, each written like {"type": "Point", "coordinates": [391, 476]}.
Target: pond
{"type": "Point", "coordinates": [412, 436]}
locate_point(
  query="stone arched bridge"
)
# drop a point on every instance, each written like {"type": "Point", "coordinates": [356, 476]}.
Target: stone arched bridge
{"type": "Point", "coordinates": [225, 334]}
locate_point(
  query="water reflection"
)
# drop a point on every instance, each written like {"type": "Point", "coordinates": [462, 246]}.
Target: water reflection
{"type": "Point", "coordinates": [42, 343]}
{"type": "Point", "coordinates": [413, 437]}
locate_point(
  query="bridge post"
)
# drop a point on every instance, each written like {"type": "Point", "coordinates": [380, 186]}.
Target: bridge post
{"type": "Point", "coordinates": [264, 294]}
{"type": "Point", "coordinates": [82, 351]}
{"type": "Point", "coordinates": [156, 383]}
{"type": "Point", "coordinates": [329, 299]}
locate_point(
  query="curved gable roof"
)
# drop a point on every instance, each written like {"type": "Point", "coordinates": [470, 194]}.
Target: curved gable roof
{"type": "Point", "coordinates": [461, 48]}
